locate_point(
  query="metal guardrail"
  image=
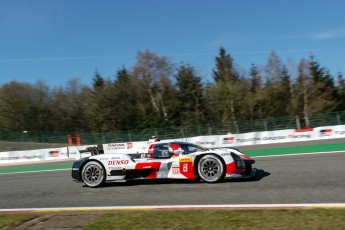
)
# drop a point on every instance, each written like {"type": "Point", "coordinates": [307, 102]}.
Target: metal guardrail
{"type": "Point", "coordinates": [269, 124]}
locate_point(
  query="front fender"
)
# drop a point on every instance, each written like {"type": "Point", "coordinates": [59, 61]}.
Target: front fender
{"type": "Point", "coordinates": [77, 167]}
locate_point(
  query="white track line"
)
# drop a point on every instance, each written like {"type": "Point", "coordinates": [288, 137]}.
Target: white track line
{"type": "Point", "coordinates": [188, 207]}
{"type": "Point", "coordinates": [50, 170]}
{"type": "Point", "coordinates": [297, 154]}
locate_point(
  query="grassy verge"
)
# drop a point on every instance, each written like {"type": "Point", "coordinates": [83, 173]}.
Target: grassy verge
{"type": "Point", "coordinates": [15, 219]}
{"type": "Point", "coordinates": [296, 149]}
{"type": "Point", "coordinates": [224, 219]}
{"type": "Point", "coordinates": [56, 166]}
{"type": "Point", "coordinates": [210, 219]}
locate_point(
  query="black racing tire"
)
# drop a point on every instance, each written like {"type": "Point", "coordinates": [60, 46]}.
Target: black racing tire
{"type": "Point", "coordinates": [211, 168]}
{"type": "Point", "coordinates": [93, 174]}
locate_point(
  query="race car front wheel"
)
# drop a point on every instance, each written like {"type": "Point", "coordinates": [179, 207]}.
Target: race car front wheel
{"type": "Point", "coordinates": [93, 174]}
{"type": "Point", "coordinates": [211, 169]}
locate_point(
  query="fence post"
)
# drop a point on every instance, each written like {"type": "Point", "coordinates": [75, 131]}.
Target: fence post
{"type": "Point", "coordinates": [129, 136]}
{"type": "Point", "coordinates": [209, 129]}
{"type": "Point", "coordinates": [103, 138]}
{"type": "Point", "coordinates": [307, 124]}
{"type": "Point", "coordinates": [236, 127]}
{"type": "Point", "coordinates": [265, 125]}
{"type": "Point", "coordinates": [298, 124]}
{"type": "Point", "coordinates": [338, 118]}
{"type": "Point", "coordinates": [182, 132]}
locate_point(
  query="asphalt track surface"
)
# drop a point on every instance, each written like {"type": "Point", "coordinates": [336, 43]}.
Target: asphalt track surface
{"type": "Point", "coordinates": [289, 179]}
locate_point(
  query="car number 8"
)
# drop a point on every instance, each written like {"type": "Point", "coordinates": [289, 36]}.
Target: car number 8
{"type": "Point", "coordinates": [185, 167]}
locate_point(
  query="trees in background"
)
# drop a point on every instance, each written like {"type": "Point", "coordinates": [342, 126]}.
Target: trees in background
{"type": "Point", "coordinates": [255, 99]}
{"type": "Point", "coordinates": [36, 107]}
{"type": "Point", "coordinates": [190, 97]}
{"type": "Point", "coordinates": [156, 93]}
{"type": "Point", "coordinates": [17, 106]}
{"type": "Point", "coordinates": [153, 81]}
{"type": "Point", "coordinates": [226, 94]}
{"type": "Point", "coordinates": [70, 106]}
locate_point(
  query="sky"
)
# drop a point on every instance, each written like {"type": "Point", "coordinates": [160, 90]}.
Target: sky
{"type": "Point", "coordinates": [55, 41]}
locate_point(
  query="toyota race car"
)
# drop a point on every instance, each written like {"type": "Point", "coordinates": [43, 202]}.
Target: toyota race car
{"type": "Point", "coordinates": [165, 160]}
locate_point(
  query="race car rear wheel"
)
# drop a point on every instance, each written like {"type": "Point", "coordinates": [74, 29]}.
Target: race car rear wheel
{"type": "Point", "coordinates": [93, 174]}
{"type": "Point", "coordinates": [211, 169]}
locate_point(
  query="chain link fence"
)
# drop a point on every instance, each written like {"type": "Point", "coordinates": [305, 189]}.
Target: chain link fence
{"type": "Point", "coordinates": [270, 124]}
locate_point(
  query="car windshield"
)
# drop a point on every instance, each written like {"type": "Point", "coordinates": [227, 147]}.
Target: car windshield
{"type": "Point", "coordinates": [191, 148]}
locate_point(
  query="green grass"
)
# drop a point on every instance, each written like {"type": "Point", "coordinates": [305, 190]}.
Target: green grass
{"type": "Point", "coordinates": [56, 166]}
{"type": "Point", "coordinates": [296, 149]}
{"type": "Point", "coordinates": [207, 219]}
{"type": "Point", "coordinates": [15, 219]}
{"type": "Point", "coordinates": [224, 219]}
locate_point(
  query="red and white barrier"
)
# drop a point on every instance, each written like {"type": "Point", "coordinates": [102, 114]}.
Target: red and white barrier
{"type": "Point", "coordinates": [212, 141]}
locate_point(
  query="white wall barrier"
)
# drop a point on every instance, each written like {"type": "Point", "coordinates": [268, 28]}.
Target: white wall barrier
{"type": "Point", "coordinates": [229, 140]}
{"type": "Point", "coordinates": [270, 137]}
{"type": "Point", "coordinates": [73, 152]}
{"type": "Point", "coordinates": [33, 155]}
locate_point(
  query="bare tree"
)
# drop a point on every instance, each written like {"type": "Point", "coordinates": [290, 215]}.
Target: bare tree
{"type": "Point", "coordinates": [153, 70]}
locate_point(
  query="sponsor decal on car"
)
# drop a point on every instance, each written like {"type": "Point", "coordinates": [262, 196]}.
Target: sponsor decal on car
{"type": "Point", "coordinates": [233, 175]}
{"type": "Point", "coordinates": [175, 170]}
{"type": "Point", "coordinates": [129, 145]}
{"type": "Point", "coordinates": [115, 168]}
{"type": "Point", "coordinates": [118, 162]}
{"type": "Point", "coordinates": [116, 146]}
{"type": "Point", "coordinates": [185, 167]}
{"type": "Point", "coordinates": [186, 159]}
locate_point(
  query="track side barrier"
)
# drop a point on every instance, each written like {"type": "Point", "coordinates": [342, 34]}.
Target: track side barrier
{"type": "Point", "coordinates": [214, 141]}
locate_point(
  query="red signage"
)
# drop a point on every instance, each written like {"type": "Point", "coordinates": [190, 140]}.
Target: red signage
{"type": "Point", "coordinates": [118, 162]}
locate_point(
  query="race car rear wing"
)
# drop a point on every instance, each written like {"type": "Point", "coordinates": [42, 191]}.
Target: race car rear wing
{"type": "Point", "coordinates": [78, 152]}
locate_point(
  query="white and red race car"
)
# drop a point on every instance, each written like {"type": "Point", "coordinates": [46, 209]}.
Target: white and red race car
{"type": "Point", "coordinates": [165, 160]}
